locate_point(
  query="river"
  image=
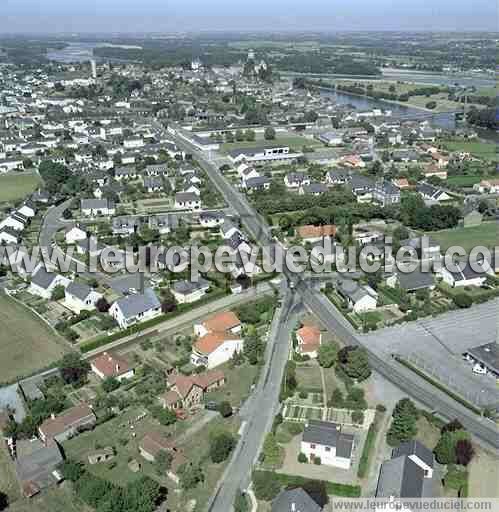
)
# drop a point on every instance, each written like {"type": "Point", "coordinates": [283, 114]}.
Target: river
{"type": "Point", "coordinates": [82, 52]}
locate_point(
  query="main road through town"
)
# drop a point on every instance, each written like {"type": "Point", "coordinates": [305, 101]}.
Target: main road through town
{"type": "Point", "coordinates": [409, 382]}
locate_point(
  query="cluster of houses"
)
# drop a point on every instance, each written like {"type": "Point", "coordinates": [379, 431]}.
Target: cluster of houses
{"type": "Point", "coordinates": [12, 227]}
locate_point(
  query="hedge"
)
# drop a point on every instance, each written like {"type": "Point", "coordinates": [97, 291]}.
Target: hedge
{"type": "Point", "coordinates": [332, 488]}
{"type": "Point", "coordinates": [368, 448]}
{"type": "Point", "coordinates": [181, 308]}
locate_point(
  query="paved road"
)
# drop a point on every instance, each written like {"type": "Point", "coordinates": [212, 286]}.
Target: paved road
{"type": "Point", "coordinates": [259, 411]}
{"type": "Point", "coordinates": [333, 320]}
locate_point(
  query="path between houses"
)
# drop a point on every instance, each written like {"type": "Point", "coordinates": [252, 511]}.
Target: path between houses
{"type": "Point", "coordinates": [324, 394]}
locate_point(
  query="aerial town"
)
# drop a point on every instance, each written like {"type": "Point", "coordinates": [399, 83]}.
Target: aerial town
{"type": "Point", "coordinates": [185, 388]}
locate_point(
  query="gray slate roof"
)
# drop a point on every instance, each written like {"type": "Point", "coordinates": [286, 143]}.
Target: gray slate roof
{"type": "Point", "coordinates": [134, 304]}
{"type": "Point", "coordinates": [329, 434]}
{"type": "Point", "coordinates": [78, 290]}
{"type": "Point", "coordinates": [298, 497]}
{"type": "Point", "coordinates": [414, 447]}
{"type": "Point", "coordinates": [42, 278]}
{"type": "Point", "coordinates": [186, 287]}
{"type": "Point", "coordinates": [400, 478]}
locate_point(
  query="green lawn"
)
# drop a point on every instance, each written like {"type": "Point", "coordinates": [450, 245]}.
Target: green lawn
{"type": "Point", "coordinates": [8, 479]}
{"type": "Point", "coordinates": [26, 342]}
{"type": "Point", "coordinates": [463, 181]}
{"type": "Point", "coordinates": [295, 142]}
{"type": "Point", "coordinates": [487, 234]}
{"type": "Point", "coordinates": [54, 499]}
{"type": "Point", "coordinates": [17, 185]}
{"type": "Point", "coordinates": [485, 150]}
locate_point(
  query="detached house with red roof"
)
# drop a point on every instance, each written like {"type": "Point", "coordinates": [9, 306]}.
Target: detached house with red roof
{"type": "Point", "coordinates": [309, 340]}
{"type": "Point", "coordinates": [188, 391]}
{"type": "Point", "coordinates": [107, 365]}
{"type": "Point", "coordinates": [67, 425]}
{"type": "Point", "coordinates": [221, 322]}
{"type": "Point", "coordinates": [219, 338]}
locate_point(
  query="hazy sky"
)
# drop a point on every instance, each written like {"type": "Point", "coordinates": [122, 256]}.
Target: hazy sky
{"type": "Point", "coordinates": [185, 15]}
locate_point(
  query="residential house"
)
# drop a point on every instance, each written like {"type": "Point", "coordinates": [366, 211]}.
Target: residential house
{"type": "Point", "coordinates": [9, 236]}
{"type": "Point", "coordinates": [326, 441]}
{"type": "Point", "coordinates": [432, 194]}
{"type": "Point", "coordinates": [488, 186]}
{"type": "Point", "coordinates": [466, 275]}
{"type": "Point", "coordinates": [68, 424]}
{"type": "Point", "coordinates": [331, 138]}
{"type": "Point", "coordinates": [313, 189]}
{"type": "Point", "coordinates": [352, 162]}
{"type": "Point", "coordinates": [295, 500]}
{"type": "Point", "coordinates": [310, 233]}
{"type": "Point", "coordinates": [39, 468]}
{"type": "Point", "coordinates": [408, 474]}
{"type": "Point", "coordinates": [153, 183]}
{"type": "Point", "coordinates": [262, 155]}
{"type": "Point", "coordinates": [226, 321]}
{"type": "Point", "coordinates": [186, 292]}
{"type": "Point", "coordinates": [337, 177]}
{"type": "Point", "coordinates": [80, 297]}
{"type": "Point", "coordinates": [256, 184]}
{"type": "Point", "coordinates": [187, 201]}
{"type": "Point", "coordinates": [309, 338]}
{"type": "Point", "coordinates": [295, 180]}
{"type": "Point", "coordinates": [74, 234]}
{"type": "Point", "coordinates": [187, 391]}
{"type": "Point", "coordinates": [125, 225]}
{"type": "Point", "coordinates": [164, 223]}
{"type": "Point", "coordinates": [136, 308]}
{"type": "Point", "coordinates": [108, 366]}
{"type": "Point", "coordinates": [215, 348]}
{"type": "Point", "coordinates": [153, 443]}
{"type": "Point", "coordinates": [125, 173]}
{"type": "Point", "coordinates": [361, 187]}
{"type": "Point", "coordinates": [211, 219]}
{"type": "Point", "coordinates": [97, 207]}
{"type": "Point", "coordinates": [411, 281]}
{"type": "Point", "coordinates": [402, 183]}
{"type": "Point", "coordinates": [28, 209]}
{"type": "Point", "coordinates": [386, 193]}
{"type": "Point", "coordinates": [424, 248]}
{"type": "Point", "coordinates": [44, 282]}
{"type": "Point", "coordinates": [359, 298]}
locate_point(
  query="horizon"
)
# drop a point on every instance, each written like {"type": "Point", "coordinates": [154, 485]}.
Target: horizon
{"type": "Point", "coordinates": [187, 16]}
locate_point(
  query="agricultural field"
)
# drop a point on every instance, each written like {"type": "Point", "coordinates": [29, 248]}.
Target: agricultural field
{"type": "Point", "coordinates": [486, 234]}
{"type": "Point", "coordinates": [484, 150]}
{"type": "Point", "coordinates": [54, 499]}
{"type": "Point", "coordinates": [15, 185]}
{"type": "Point", "coordinates": [26, 342]}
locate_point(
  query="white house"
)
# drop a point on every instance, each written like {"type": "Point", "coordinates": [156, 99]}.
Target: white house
{"type": "Point", "coordinates": [467, 276]}
{"type": "Point", "coordinates": [296, 179]}
{"type": "Point", "coordinates": [97, 207]}
{"type": "Point", "coordinates": [186, 292]}
{"type": "Point", "coordinates": [80, 297]}
{"type": "Point", "coordinates": [133, 142]}
{"type": "Point", "coordinates": [309, 339]}
{"type": "Point", "coordinates": [136, 308]}
{"type": "Point", "coordinates": [13, 222]}
{"type": "Point", "coordinates": [211, 219]}
{"type": "Point", "coordinates": [187, 201]}
{"type": "Point", "coordinates": [43, 282]}
{"type": "Point", "coordinates": [215, 348]}
{"type": "Point", "coordinates": [358, 297]}
{"type": "Point", "coordinates": [28, 210]}
{"type": "Point", "coordinates": [324, 440]}
{"type": "Point", "coordinates": [74, 234]}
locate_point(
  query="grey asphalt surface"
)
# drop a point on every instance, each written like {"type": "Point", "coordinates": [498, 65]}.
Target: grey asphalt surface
{"type": "Point", "coordinates": [333, 320]}
{"type": "Point", "coordinates": [259, 411]}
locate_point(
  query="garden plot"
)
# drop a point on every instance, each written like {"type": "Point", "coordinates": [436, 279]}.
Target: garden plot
{"type": "Point", "coordinates": [294, 412]}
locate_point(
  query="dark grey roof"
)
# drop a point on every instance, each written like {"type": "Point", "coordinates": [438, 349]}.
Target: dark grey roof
{"type": "Point", "coordinates": [414, 447]}
{"type": "Point", "coordinates": [186, 287]}
{"type": "Point", "coordinates": [298, 497]}
{"type": "Point", "coordinates": [216, 215]}
{"type": "Point", "coordinates": [329, 434]}
{"type": "Point", "coordinates": [352, 290]}
{"type": "Point", "coordinates": [415, 280]}
{"type": "Point", "coordinates": [487, 354]}
{"type": "Point", "coordinates": [257, 182]}
{"type": "Point", "coordinates": [37, 467]}
{"type": "Point", "coordinates": [134, 304]}
{"type": "Point", "coordinates": [43, 278]}
{"type": "Point", "coordinates": [95, 204]}
{"type": "Point", "coordinates": [400, 478]}
{"type": "Point", "coordinates": [78, 290]}
{"type": "Point", "coordinates": [467, 272]}
{"type": "Point", "coordinates": [182, 197]}
{"type": "Point", "coordinates": [315, 188]}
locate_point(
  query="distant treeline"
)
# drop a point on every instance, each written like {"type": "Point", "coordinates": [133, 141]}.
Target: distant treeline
{"type": "Point", "coordinates": [387, 95]}
{"type": "Point", "coordinates": [21, 51]}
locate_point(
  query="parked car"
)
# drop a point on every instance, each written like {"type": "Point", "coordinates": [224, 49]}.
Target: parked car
{"type": "Point", "coordinates": [211, 406]}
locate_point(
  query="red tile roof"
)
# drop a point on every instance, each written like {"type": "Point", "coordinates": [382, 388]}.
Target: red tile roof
{"type": "Point", "coordinates": [110, 366]}
{"type": "Point", "coordinates": [79, 414]}
{"type": "Point", "coordinates": [311, 337]}
{"type": "Point", "coordinates": [310, 231]}
{"type": "Point", "coordinates": [224, 321]}
{"type": "Point", "coordinates": [210, 342]}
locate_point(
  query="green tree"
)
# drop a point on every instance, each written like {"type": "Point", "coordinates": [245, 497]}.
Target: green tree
{"type": "Point", "coordinates": [163, 462]}
{"type": "Point", "coordinates": [4, 501]}
{"type": "Point", "coordinates": [58, 293]}
{"type": "Point", "coordinates": [110, 384]}
{"type": "Point", "coordinates": [445, 450]}
{"type": "Point", "coordinates": [74, 369]}
{"type": "Point", "coordinates": [239, 135]}
{"type": "Point", "coordinates": [462, 300]}
{"type": "Point", "coordinates": [403, 427]}
{"type": "Point", "coordinates": [241, 502]}
{"type": "Point", "coordinates": [327, 354]}
{"type": "Point", "coordinates": [354, 362]}
{"type": "Point", "coordinates": [220, 446]}
{"type": "Point", "coordinates": [72, 470]}
{"type": "Point", "coordinates": [190, 475]}
{"type": "Point", "coordinates": [225, 409]}
{"type": "Point", "coordinates": [269, 133]}
{"type": "Point", "coordinates": [265, 485]}
{"type": "Point", "coordinates": [250, 135]}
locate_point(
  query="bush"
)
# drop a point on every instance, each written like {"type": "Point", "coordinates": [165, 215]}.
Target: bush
{"type": "Point", "coordinates": [220, 447]}
{"type": "Point", "coordinates": [110, 384]}
{"type": "Point", "coordinates": [266, 486]}
{"type": "Point", "coordinates": [294, 428]}
{"type": "Point", "coordinates": [461, 300]}
{"type": "Point", "coordinates": [317, 461]}
{"type": "Point", "coordinates": [225, 409]}
{"type": "Point", "coordinates": [303, 394]}
{"type": "Point", "coordinates": [302, 458]}
{"type": "Point", "coordinates": [358, 417]}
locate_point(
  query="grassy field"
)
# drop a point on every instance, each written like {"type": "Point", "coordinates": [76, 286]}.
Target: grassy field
{"type": "Point", "coordinates": [16, 185]}
{"type": "Point", "coordinates": [295, 142]}
{"type": "Point", "coordinates": [54, 499]}
{"type": "Point", "coordinates": [8, 479]}
{"type": "Point", "coordinates": [486, 234]}
{"type": "Point", "coordinates": [463, 181]}
{"type": "Point", "coordinates": [485, 150]}
{"type": "Point", "coordinates": [26, 343]}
